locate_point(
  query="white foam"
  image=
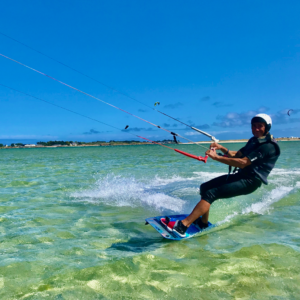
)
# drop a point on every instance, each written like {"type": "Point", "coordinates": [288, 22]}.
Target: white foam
{"type": "Point", "coordinates": [199, 176]}
{"type": "Point", "coordinates": [264, 205]}
{"type": "Point", "coordinates": [158, 181]}
{"type": "Point", "coordinates": [227, 219]}
{"type": "Point", "coordinates": [284, 176]}
{"type": "Point", "coordinates": [272, 197]}
{"type": "Point", "coordinates": [204, 176]}
{"type": "Point", "coordinates": [120, 191]}
{"type": "Point", "coordinates": [162, 201]}
{"type": "Point", "coordinates": [285, 172]}
{"type": "Point", "coordinates": [190, 190]}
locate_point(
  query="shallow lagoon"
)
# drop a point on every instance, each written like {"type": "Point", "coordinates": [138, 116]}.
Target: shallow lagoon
{"type": "Point", "coordinates": [72, 227]}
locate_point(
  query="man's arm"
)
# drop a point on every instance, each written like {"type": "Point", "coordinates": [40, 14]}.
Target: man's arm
{"type": "Point", "coordinates": [230, 161]}
{"type": "Point", "coordinates": [229, 153]}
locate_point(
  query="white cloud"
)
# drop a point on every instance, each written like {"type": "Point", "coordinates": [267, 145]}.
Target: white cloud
{"type": "Point", "coordinates": [214, 132]}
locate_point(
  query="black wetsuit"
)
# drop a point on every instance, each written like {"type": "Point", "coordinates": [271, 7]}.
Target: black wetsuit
{"type": "Point", "coordinates": [263, 154]}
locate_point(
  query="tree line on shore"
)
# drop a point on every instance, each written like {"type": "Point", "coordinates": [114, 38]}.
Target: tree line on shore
{"type": "Point", "coordinates": [76, 143]}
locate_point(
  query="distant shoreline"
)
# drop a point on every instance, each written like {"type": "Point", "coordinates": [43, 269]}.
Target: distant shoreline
{"type": "Point", "coordinates": [135, 144]}
{"type": "Point", "coordinates": [246, 140]}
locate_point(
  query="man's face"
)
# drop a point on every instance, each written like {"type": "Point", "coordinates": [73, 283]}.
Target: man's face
{"type": "Point", "coordinates": [258, 129]}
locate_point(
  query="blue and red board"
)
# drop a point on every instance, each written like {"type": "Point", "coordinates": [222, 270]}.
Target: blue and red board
{"type": "Point", "coordinates": [172, 235]}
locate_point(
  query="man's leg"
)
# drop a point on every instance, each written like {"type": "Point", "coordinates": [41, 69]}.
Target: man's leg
{"type": "Point", "coordinates": [218, 188]}
{"type": "Point", "coordinates": [205, 217]}
{"type": "Point", "coordinates": [201, 209]}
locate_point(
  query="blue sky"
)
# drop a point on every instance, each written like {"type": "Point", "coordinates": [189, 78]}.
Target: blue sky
{"type": "Point", "coordinates": [211, 64]}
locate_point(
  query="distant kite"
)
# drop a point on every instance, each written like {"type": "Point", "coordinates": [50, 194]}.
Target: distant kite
{"type": "Point", "coordinates": [156, 103]}
{"type": "Point", "coordinates": [126, 126]}
{"type": "Point", "coordinates": [289, 111]}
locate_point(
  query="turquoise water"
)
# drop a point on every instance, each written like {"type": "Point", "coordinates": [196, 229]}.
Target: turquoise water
{"type": "Point", "coordinates": [72, 227]}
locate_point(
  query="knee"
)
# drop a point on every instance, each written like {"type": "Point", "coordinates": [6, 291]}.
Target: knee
{"type": "Point", "coordinates": [207, 194]}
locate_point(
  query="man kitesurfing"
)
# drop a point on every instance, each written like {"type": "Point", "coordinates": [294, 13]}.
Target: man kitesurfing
{"type": "Point", "coordinates": [253, 162]}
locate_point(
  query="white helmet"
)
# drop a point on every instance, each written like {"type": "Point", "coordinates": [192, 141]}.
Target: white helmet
{"type": "Point", "coordinates": [263, 118]}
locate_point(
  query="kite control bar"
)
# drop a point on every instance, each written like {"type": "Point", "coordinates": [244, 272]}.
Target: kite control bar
{"type": "Point", "coordinates": [201, 158]}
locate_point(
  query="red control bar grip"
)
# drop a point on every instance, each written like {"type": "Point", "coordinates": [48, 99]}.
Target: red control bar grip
{"type": "Point", "coordinates": [201, 158]}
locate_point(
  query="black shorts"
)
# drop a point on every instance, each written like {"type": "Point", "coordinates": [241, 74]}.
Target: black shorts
{"type": "Point", "coordinates": [221, 187]}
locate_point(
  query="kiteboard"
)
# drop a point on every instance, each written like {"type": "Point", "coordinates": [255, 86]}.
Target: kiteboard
{"type": "Point", "coordinates": [172, 235]}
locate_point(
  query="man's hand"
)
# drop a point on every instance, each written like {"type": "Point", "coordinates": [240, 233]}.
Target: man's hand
{"type": "Point", "coordinates": [212, 153]}
{"type": "Point", "coordinates": [216, 146]}
{"type": "Point", "coordinates": [234, 162]}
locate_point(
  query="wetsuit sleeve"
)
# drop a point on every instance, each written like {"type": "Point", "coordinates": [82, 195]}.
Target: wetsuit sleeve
{"type": "Point", "coordinates": [241, 150]}
{"type": "Point", "coordinates": [265, 150]}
